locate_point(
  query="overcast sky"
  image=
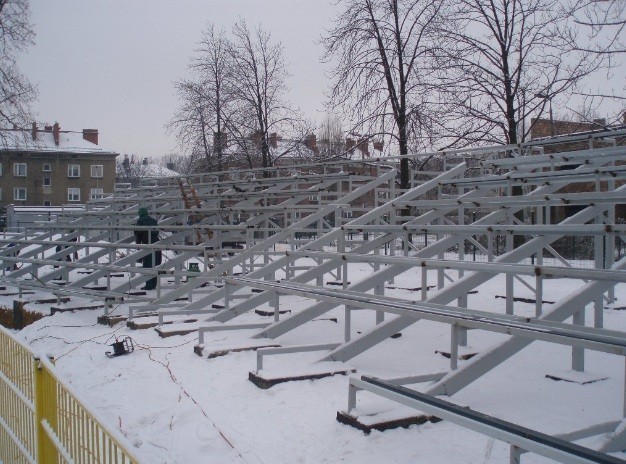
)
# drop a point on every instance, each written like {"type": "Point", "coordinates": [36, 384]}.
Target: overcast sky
{"type": "Point", "coordinates": [109, 65]}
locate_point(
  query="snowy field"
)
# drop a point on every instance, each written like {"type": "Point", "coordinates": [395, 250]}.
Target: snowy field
{"type": "Point", "coordinates": [176, 407]}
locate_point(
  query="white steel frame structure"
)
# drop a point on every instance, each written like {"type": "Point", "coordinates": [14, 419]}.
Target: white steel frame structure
{"type": "Point", "coordinates": [494, 203]}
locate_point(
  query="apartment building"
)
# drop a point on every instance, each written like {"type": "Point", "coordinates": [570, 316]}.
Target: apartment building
{"type": "Point", "coordinates": [52, 167]}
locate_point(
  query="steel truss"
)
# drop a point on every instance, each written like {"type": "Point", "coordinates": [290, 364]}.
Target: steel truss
{"type": "Point", "coordinates": [467, 210]}
{"type": "Point", "coordinates": [331, 216]}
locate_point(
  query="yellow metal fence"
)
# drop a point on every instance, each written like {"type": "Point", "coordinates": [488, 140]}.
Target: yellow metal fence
{"type": "Point", "coordinates": [42, 420]}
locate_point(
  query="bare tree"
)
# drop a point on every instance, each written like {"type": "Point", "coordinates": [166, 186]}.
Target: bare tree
{"type": "Point", "coordinates": [190, 123]}
{"type": "Point", "coordinates": [605, 24]}
{"type": "Point", "coordinates": [384, 50]}
{"type": "Point", "coordinates": [236, 96]}
{"type": "Point", "coordinates": [132, 169]}
{"type": "Point", "coordinates": [16, 34]}
{"type": "Point", "coordinates": [331, 137]}
{"type": "Point", "coordinates": [508, 59]}
{"type": "Point", "coordinates": [204, 99]}
{"type": "Point", "coordinates": [257, 79]}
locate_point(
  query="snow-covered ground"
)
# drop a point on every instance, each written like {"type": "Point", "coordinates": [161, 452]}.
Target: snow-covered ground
{"type": "Point", "coordinates": [176, 407]}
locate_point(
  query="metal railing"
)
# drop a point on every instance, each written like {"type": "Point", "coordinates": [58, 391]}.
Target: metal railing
{"type": "Point", "coordinates": [43, 420]}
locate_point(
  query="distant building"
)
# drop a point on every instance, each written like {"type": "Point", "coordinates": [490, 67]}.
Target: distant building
{"type": "Point", "coordinates": [544, 128]}
{"type": "Point", "coordinates": [51, 167]}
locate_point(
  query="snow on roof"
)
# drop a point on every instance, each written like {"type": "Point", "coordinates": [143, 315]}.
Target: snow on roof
{"type": "Point", "coordinates": [147, 170]}
{"type": "Point", "coordinates": [21, 140]}
{"type": "Point", "coordinates": [155, 170]}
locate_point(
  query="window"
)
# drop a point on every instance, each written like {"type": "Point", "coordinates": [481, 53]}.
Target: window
{"type": "Point", "coordinates": [47, 203]}
{"type": "Point", "coordinates": [96, 193]}
{"type": "Point", "coordinates": [73, 194]}
{"type": "Point", "coordinates": [19, 194]}
{"type": "Point", "coordinates": [19, 169]}
{"type": "Point", "coordinates": [46, 168]}
{"type": "Point", "coordinates": [47, 181]}
{"type": "Point", "coordinates": [73, 170]}
{"type": "Point", "coordinates": [97, 171]}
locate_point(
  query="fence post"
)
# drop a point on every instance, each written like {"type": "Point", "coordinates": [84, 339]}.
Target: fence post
{"type": "Point", "coordinates": [45, 410]}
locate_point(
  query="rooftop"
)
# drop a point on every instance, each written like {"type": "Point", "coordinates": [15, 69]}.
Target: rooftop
{"type": "Point", "coordinates": [51, 139]}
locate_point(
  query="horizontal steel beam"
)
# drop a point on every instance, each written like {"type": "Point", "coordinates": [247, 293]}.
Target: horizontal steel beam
{"type": "Point", "coordinates": [509, 432]}
{"type": "Point", "coordinates": [537, 329]}
{"type": "Point", "coordinates": [475, 266]}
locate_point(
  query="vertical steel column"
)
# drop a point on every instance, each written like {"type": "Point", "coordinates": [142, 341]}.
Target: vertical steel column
{"type": "Point", "coordinates": [393, 220]}
{"type": "Point", "coordinates": [610, 238]}
{"type": "Point", "coordinates": [341, 241]}
{"type": "Point", "coordinates": [228, 289]}
{"type": "Point", "coordinates": [440, 255]}
{"type": "Point", "coordinates": [509, 278]}
{"type": "Point", "coordinates": [352, 389]}
{"type": "Point", "coordinates": [515, 455]}
{"type": "Point", "coordinates": [578, 354]}
{"type": "Point", "coordinates": [454, 346]}
{"type": "Point", "coordinates": [599, 261]}
{"type": "Point", "coordinates": [347, 329]}
{"type": "Point", "coordinates": [462, 300]}
{"type": "Point", "coordinates": [276, 306]}
{"type": "Point", "coordinates": [624, 402]}
{"type": "Point", "coordinates": [539, 277]}
{"type": "Point", "coordinates": [111, 258]}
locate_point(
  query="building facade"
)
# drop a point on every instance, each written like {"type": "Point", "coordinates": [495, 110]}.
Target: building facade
{"type": "Point", "coordinates": [544, 128]}
{"type": "Point", "coordinates": [50, 167]}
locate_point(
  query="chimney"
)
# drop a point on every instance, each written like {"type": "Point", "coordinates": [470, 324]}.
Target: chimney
{"type": "Point", "coordinates": [257, 137]}
{"type": "Point", "coordinates": [310, 141]}
{"type": "Point", "coordinates": [378, 145]}
{"type": "Point", "coordinates": [33, 131]}
{"type": "Point", "coordinates": [91, 135]}
{"type": "Point", "coordinates": [220, 140]}
{"type": "Point", "coordinates": [274, 140]}
{"type": "Point", "coordinates": [364, 145]}
{"type": "Point", "coordinates": [599, 122]}
{"type": "Point", "coordinates": [55, 133]}
{"type": "Point", "coordinates": [350, 144]}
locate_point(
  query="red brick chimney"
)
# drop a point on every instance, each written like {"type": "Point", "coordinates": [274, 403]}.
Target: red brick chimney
{"type": "Point", "coordinates": [310, 141]}
{"type": "Point", "coordinates": [55, 133]}
{"type": "Point", "coordinates": [378, 145]}
{"type": "Point", "coordinates": [91, 135]}
{"type": "Point", "coordinates": [33, 131]}
{"type": "Point", "coordinates": [274, 140]}
{"type": "Point", "coordinates": [257, 137]}
{"type": "Point", "coordinates": [220, 140]}
{"type": "Point", "coordinates": [350, 144]}
{"type": "Point", "coordinates": [364, 145]}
